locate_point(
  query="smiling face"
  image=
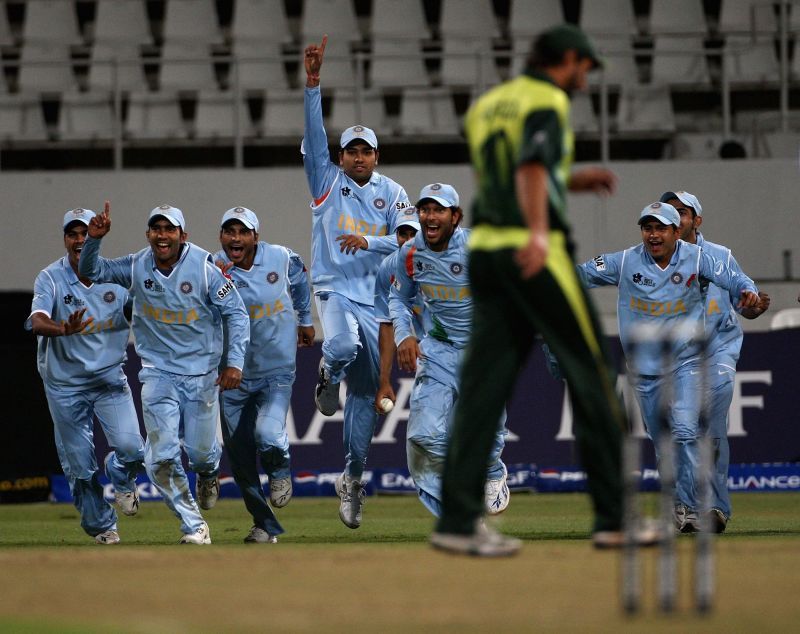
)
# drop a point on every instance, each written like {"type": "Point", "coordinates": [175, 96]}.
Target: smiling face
{"type": "Point", "coordinates": [74, 238]}
{"type": "Point", "coordinates": [659, 240]}
{"type": "Point", "coordinates": [239, 243]}
{"type": "Point", "coordinates": [358, 160]}
{"type": "Point", "coordinates": [690, 221]}
{"type": "Point", "coordinates": [165, 240]}
{"type": "Point", "coordinates": [438, 223]}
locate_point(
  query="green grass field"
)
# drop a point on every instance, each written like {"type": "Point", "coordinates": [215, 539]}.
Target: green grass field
{"type": "Point", "coordinates": [323, 577]}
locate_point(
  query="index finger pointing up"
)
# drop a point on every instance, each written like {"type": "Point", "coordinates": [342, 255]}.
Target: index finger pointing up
{"type": "Point", "coordinates": [323, 44]}
{"type": "Point", "coordinates": [107, 209]}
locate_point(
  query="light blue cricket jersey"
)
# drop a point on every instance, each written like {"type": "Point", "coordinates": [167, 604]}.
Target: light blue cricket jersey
{"type": "Point", "coordinates": [649, 294]}
{"type": "Point", "coordinates": [442, 278]}
{"type": "Point", "coordinates": [177, 318]}
{"type": "Point", "coordinates": [93, 356]}
{"type": "Point", "coordinates": [722, 324]}
{"type": "Point", "coordinates": [273, 290]}
{"type": "Point", "coordinates": [341, 206]}
{"type": "Point", "coordinates": [383, 283]}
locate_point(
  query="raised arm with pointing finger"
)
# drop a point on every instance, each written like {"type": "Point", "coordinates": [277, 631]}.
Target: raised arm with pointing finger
{"type": "Point", "coordinates": [180, 299]}
{"type": "Point", "coordinates": [355, 212]}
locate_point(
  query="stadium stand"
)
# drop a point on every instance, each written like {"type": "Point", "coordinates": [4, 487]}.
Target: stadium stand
{"type": "Point", "coordinates": [177, 51]}
{"type": "Point", "coordinates": [786, 318]}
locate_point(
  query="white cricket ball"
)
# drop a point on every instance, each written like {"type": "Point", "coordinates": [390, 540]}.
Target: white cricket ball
{"type": "Point", "coordinates": [386, 405]}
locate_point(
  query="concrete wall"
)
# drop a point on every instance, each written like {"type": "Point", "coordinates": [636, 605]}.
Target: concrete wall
{"type": "Point", "coordinates": [750, 206]}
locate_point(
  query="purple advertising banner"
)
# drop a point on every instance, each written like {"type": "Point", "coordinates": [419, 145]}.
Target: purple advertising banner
{"type": "Point", "coordinates": [763, 422]}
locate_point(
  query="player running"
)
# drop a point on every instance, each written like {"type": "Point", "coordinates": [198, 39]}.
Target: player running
{"type": "Point", "coordinates": [180, 299]}
{"type": "Point", "coordinates": [82, 335]}
{"type": "Point", "coordinates": [273, 284]}
{"type": "Point", "coordinates": [663, 281]}
{"type": "Point", "coordinates": [725, 341]}
{"type": "Point", "coordinates": [434, 265]}
{"type": "Point", "coordinates": [348, 198]}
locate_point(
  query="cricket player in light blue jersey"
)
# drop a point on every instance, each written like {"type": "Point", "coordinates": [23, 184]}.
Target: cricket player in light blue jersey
{"type": "Point", "coordinates": [82, 335]}
{"type": "Point", "coordinates": [664, 281]}
{"type": "Point", "coordinates": [355, 212]}
{"type": "Point", "coordinates": [434, 265]}
{"type": "Point", "coordinates": [725, 342]}
{"type": "Point", "coordinates": [406, 231]}
{"type": "Point", "coordinates": [180, 299]}
{"type": "Point", "coordinates": [273, 284]}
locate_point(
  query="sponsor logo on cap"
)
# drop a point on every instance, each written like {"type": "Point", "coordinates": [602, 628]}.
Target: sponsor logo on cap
{"type": "Point", "coordinates": [358, 128]}
{"type": "Point", "coordinates": [78, 212]}
{"type": "Point", "coordinates": [164, 206]}
{"type": "Point", "coordinates": [436, 187]}
{"type": "Point", "coordinates": [238, 210]}
{"type": "Point", "coordinates": [655, 205]}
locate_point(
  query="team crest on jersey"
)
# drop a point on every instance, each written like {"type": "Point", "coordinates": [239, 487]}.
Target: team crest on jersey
{"type": "Point", "coordinates": [379, 203]}
{"type": "Point", "coordinates": [186, 287]}
{"type": "Point", "coordinates": [600, 263]}
{"type": "Point", "coordinates": [456, 268]}
{"type": "Point", "coordinates": [109, 297]}
{"type": "Point", "coordinates": [272, 277]}
{"type": "Point", "coordinates": [676, 278]}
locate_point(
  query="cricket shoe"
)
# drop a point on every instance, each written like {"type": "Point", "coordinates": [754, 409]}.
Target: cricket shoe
{"type": "Point", "coordinates": [201, 536]}
{"type": "Point", "coordinates": [207, 492]}
{"type": "Point", "coordinates": [127, 501]}
{"type": "Point", "coordinates": [648, 533]}
{"type": "Point", "coordinates": [497, 495]}
{"type": "Point", "coordinates": [717, 520]}
{"type": "Point", "coordinates": [107, 537]}
{"type": "Point", "coordinates": [259, 536]}
{"type": "Point", "coordinates": [691, 522]}
{"type": "Point", "coordinates": [280, 491]}
{"type": "Point", "coordinates": [352, 495]}
{"type": "Point", "coordinates": [326, 394]}
{"type": "Point", "coordinates": [483, 542]}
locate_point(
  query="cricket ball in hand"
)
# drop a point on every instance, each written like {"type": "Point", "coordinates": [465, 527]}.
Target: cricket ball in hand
{"type": "Point", "coordinates": [386, 405]}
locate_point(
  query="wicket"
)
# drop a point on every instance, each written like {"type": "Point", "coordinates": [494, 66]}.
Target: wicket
{"type": "Point", "coordinates": [662, 342]}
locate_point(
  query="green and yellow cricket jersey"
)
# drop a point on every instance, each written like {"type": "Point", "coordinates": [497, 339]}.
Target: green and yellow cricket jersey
{"type": "Point", "coordinates": [522, 120]}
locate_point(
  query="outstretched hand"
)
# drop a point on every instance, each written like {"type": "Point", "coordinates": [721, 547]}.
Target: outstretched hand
{"type": "Point", "coordinates": [75, 322]}
{"type": "Point", "coordinates": [312, 59]}
{"type": "Point", "coordinates": [100, 225]}
{"type": "Point", "coordinates": [351, 242]}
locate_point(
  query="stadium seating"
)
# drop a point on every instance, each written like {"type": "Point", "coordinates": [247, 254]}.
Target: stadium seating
{"type": "Point", "coordinates": [21, 118]}
{"type": "Point", "coordinates": [608, 18]}
{"type": "Point", "coordinates": [348, 108]}
{"type": "Point", "coordinates": [215, 115]}
{"type": "Point", "coordinates": [86, 116]}
{"type": "Point", "coordinates": [428, 112]}
{"type": "Point", "coordinates": [397, 63]}
{"type": "Point", "coordinates": [154, 116]}
{"type": "Point", "coordinates": [645, 109]}
{"type": "Point", "coordinates": [398, 20]}
{"type": "Point", "coordinates": [175, 46]}
{"type": "Point", "coordinates": [186, 65]}
{"type": "Point", "coordinates": [785, 318]}
{"type": "Point", "coordinates": [260, 21]}
{"type": "Point", "coordinates": [191, 21]}
{"type": "Point", "coordinates": [283, 114]}
{"type": "Point", "coordinates": [677, 17]}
